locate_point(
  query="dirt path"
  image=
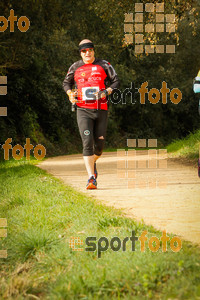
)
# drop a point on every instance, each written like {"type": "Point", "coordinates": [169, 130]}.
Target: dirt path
{"type": "Point", "coordinates": [174, 205]}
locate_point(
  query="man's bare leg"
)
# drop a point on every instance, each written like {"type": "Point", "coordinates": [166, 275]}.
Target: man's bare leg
{"type": "Point", "coordinates": [89, 163]}
{"type": "Point", "coordinates": [95, 167]}
{"type": "Point", "coordinates": [96, 157]}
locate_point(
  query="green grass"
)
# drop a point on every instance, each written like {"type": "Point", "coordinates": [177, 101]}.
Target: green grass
{"type": "Point", "coordinates": [43, 214]}
{"type": "Point", "coordinates": [186, 148]}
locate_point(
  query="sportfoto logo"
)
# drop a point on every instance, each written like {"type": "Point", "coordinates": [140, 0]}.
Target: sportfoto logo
{"type": "Point", "coordinates": [3, 234]}
{"type": "Point", "coordinates": [116, 244]}
{"type": "Point", "coordinates": [23, 23]}
{"type": "Point", "coordinates": [154, 95]}
{"type": "Point", "coordinates": [3, 92]}
{"type": "Point", "coordinates": [132, 165]}
{"type": "Point", "coordinates": [158, 23]}
{"type": "Point", "coordinates": [18, 150]}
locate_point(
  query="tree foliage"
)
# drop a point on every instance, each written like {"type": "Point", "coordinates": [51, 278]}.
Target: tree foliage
{"type": "Point", "coordinates": [36, 63]}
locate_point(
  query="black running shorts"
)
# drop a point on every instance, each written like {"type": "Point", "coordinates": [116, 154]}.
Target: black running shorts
{"type": "Point", "coordinates": [92, 125]}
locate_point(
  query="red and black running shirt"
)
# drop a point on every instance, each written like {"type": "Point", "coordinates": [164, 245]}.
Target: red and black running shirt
{"type": "Point", "coordinates": [91, 78]}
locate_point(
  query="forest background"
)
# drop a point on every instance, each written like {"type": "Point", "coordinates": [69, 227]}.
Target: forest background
{"type": "Point", "coordinates": [36, 62]}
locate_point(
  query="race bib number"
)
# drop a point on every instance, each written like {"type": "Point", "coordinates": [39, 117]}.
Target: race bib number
{"type": "Point", "coordinates": [88, 93]}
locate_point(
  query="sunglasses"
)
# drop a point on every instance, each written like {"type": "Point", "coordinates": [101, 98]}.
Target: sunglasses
{"type": "Point", "coordinates": [85, 50]}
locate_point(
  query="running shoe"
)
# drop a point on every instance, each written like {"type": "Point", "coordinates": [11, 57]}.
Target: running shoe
{"type": "Point", "coordinates": [95, 171]}
{"type": "Point", "coordinates": [92, 184]}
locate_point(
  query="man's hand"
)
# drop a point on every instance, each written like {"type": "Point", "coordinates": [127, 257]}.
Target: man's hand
{"type": "Point", "coordinates": [109, 90]}
{"type": "Point", "coordinates": [72, 96]}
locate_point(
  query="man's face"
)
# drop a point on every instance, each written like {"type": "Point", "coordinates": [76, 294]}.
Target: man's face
{"type": "Point", "coordinates": [87, 55]}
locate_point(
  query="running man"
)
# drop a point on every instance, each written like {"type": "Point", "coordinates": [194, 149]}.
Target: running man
{"type": "Point", "coordinates": [94, 79]}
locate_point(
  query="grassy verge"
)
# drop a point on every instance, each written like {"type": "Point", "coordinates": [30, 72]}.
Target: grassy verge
{"type": "Point", "coordinates": [186, 148]}
{"type": "Point", "coordinates": [43, 214]}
